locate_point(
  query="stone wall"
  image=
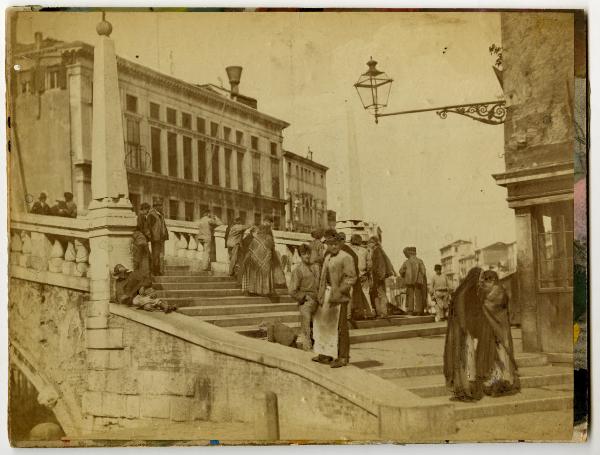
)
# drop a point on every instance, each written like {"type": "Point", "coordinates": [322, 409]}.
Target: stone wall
{"type": "Point", "coordinates": [174, 369]}
{"type": "Point", "coordinates": [538, 52]}
{"type": "Point", "coordinates": [47, 334]}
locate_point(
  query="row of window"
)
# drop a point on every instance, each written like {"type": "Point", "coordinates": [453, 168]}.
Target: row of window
{"type": "Point", "coordinates": [305, 175]}
{"type": "Point", "coordinates": [131, 105]}
{"type": "Point", "coordinates": [193, 211]}
{"type": "Point", "coordinates": [208, 160]}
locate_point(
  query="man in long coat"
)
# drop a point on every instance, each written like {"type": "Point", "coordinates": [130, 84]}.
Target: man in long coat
{"type": "Point", "coordinates": [415, 278]}
{"type": "Point", "coordinates": [156, 231]}
{"type": "Point", "coordinates": [338, 276]}
{"type": "Point", "coordinates": [381, 268]}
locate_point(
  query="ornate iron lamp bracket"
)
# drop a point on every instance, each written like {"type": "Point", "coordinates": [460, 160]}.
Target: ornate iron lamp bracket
{"type": "Point", "coordinates": [491, 113]}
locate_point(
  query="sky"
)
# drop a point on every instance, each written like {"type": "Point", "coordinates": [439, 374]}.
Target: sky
{"type": "Point", "coordinates": [424, 180]}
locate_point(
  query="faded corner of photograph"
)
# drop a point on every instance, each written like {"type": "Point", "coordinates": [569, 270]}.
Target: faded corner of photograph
{"type": "Point", "coordinates": [270, 228]}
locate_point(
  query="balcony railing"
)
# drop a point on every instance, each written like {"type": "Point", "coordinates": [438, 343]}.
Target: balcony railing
{"type": "Point", "coordinates": [136, 157]}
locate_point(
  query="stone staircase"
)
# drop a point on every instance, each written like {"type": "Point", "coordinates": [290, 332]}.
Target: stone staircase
{"type": "Point", "coordinates": [544, 387]}
{"type": "Point", "coordinates": [218, 299]}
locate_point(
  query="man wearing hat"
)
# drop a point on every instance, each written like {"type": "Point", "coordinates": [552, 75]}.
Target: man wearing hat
{"type": "Point", "coordinates": [41, 207]}
{"type": "Point", "coordinates": [206, 230]}
{"type": "Point", "coordinates": [440, 293]}
{"type": "Point", "coordinates": [128, 283]}
{"type": "Point", "coordinates": [157, 233]}
{"type": "Point", "coordinates": [381, 268]}
{"type": "Point", "coordinates": [415, 278]}
{"type": "Point", "coordinates": [338, 276]}
{"type": "Point", "coordinates": [304, 283]}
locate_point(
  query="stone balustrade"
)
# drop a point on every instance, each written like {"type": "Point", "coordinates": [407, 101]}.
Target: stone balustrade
{"type": "Point", "coordinates": [183, 248]}
{"type": "Point", "coordinates": [50, 250]}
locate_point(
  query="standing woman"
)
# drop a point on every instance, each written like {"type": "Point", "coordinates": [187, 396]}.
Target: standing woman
{"type": "Point", "coordinates": [464, 323]}
{"type": "Point", "coordinates": [495, 353]}
{"type": "Point", "coordinates": [260, 262]}
{"type": "Point", "coordinates": [478, 354]}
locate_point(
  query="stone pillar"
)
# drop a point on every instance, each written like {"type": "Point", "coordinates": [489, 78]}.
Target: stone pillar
{"type": "Point", "coordinates": [164, 153]}
{"type": "Point", "coordinates": [194, 160]}
{"type": "Point", "coordinates": [109, 176]}
{"type": "Point", "coordinates": [180, 156]}
{"type": "Point", "coordinates": [222, 172]}
{"type": "Point", "coordinates": [110, 214]}
{"type": "Point", "coordinates": [210, 149]}
{"type": "Point", "coordinates": [233, 170]}
{"type": "Point", "coordinates": [248, 156]}
{"type": "Point", "coordinates": [527, 279]}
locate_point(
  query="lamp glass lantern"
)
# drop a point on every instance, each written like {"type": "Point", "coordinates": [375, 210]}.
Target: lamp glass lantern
{"type": "Point", "coordinates": [373, 88]}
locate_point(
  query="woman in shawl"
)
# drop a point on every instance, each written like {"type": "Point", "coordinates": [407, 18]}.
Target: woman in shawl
{"type": "Point", "coordinates": [261, 262]}
{"type": "Point", "coordinates": [478, 354]}
{"type": "Point", "coordinates": [495, 354]}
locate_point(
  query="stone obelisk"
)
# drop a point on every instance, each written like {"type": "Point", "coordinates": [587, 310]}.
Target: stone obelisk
{"type": "Point", "coordinates": [111, 219]}
{"type": "Point", "coordinates": [354, 206]}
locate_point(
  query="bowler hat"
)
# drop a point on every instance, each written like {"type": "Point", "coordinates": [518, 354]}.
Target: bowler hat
{"type": "Point", "coordinates": [331, 236]}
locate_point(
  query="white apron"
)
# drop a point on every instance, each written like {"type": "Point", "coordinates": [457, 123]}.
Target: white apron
{"type": "Point", "coordinates": [325, 327]}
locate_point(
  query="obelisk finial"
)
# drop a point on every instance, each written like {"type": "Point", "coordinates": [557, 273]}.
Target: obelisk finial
{"type": "Point", "coordinates": [104, 28]}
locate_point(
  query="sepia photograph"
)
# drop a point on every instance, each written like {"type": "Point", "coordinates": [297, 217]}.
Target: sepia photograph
{"type": "Point", "coordinates": [249, 226]}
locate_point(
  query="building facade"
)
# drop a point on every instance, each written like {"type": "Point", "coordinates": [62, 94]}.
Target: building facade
{"type": "Point", "coordinates": [451, 255]}
{"type": "Point", "coordinates": [539, 157]}
{"type": "Point", "coordinates": [197, 147]}
{"type": "Point", "coordinates": [305, 192]}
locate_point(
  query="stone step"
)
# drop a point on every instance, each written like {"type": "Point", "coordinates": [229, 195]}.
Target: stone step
{"type": "Point", "coordinates": [215, 292]}
{"type": "Point", "coordinates": [199, 293]}
{"type": "Point", "coordinates": [186, 272]}
{"type": "Point", "coordinates": [198, 285]}
{"type": "Point", "coordinates": [397, 332]}
{"type": "Point", "coordinates": [182, 302]}
{"type": "Point", "coordinates": [222, 310]}
{"type": "Point", "coordinates": [176, 267]}
{"type": "Point", "coordinates": [526, 401]}
{"type": "Point", "coordinates": [194, 279]}
{"type": "Point", "coordinates": [251, 319]}
{"type": "Point", "coordinates": [393, 321]}
{"type": "Point", "coordinates": [523, 360]}
{"type": "Point", "coordinates": [530, 377]}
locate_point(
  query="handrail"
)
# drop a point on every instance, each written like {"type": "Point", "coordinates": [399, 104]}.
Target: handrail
{"type": "Point", "coordinates": [47, 224]}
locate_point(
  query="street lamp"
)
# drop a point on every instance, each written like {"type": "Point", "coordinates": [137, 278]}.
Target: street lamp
{"type": "Point", "coordinates": [374, 86]}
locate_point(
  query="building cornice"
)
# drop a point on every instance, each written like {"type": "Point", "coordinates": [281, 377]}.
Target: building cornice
{"type": "Point", "coordinates": [538, 173]}
{"type": "Point", "coordinates": [294, 156]}
{"type": "Point", "coordinates": [202, 94]}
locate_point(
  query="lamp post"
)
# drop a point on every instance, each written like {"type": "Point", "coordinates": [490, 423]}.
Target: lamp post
{"type": "Point", "coordinates": [373, 88]}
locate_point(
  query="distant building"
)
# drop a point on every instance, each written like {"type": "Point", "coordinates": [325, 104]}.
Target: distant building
{"type": "Point", "coordinates": [197, 147]}
{"type": "Point", "coordinates": [465, 264]}
{"type": "Point", "coordinates": [305, 187]}
{"type": "Point", "coordinates": [365, 229]}
{"type": "Point", "coordinates": [499, 256]}
{"type": "Point", "coordinates": [450, 259]}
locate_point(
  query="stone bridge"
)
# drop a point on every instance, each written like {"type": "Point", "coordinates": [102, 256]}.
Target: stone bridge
{"type": "Point", "coordinates": [130, 370]}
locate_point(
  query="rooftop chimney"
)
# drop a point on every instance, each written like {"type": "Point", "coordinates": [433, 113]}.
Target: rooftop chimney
{"type": "Point", "coordinates": [234, 73]}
